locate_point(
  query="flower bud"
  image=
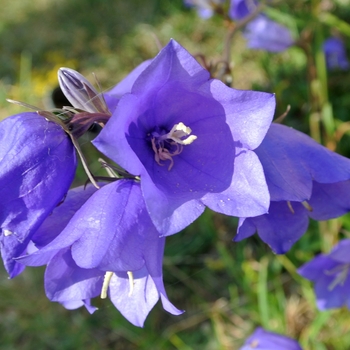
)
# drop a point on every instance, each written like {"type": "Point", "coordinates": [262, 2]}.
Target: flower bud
{"type": "Point", "coordinates": [79, 92]}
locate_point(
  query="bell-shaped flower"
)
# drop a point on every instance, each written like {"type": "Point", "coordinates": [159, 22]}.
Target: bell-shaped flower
{"type": "Point", "coordinates": [37, 166]}
{"type": "Point", "coordinates": [240, 9]}
{"type": "Point", "coordinates": [335, 54]}
{"type": "Point", "coordinates": [305, 180]}
{"type": "Point", "coordinates": [190, 139]}
{"type": "Point", "coordinates": [109, 246]}
{"type": "Point", "coordinates": [265, 340]}
{"type": "Point", "coordinates": [265, 34]}
{"type": "Point", "coordinates": [330, 274]}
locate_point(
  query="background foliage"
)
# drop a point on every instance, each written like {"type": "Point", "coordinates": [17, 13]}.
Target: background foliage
{"type": "Point", "coordinates": [226, 288]}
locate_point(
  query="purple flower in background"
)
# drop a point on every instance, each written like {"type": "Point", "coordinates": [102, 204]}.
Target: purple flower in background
{"type": "Point", "coordinates": [305, 180]}
{"type": "Point", "coordinates": [330, 274]}
{"type": "Point", "coordinates": [265, 340]}
{"type": "Point", "coordinates": [190, 139]}
{"type": "Point", "coordinates": [241, 8]}
{"type": "Point", "coordinates": [265, 34]}
{"type": "Point", "coordinates": [109, 246]}
{"type": "Point", "coordinates": [335, 54]}
{"type": "Point", "coordinates": [205, 8]}
{"type": "Point", "coordinates": [37, 166]}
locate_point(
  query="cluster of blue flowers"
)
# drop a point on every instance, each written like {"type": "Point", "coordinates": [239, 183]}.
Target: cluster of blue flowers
{"type": "Point", "coordinates": [181, 142]}
{"type": "Point", "coordinates": [177, 142]}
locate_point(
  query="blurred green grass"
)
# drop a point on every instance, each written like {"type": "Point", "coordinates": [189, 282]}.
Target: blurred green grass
{"type": "Point", "coordinates": [226, 288]}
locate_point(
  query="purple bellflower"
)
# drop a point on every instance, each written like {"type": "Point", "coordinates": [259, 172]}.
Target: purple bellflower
{"type": "Point", "coordinates": [190, 139]}
{"type": "Point", "coordinates": [240, 9]}
{"type": "Point", "coordinates": [37, 167]}
{"type": "Point", "coordinates": [265, 34]}
{"type": "Point", "coordinates": [205, 8]}
{"type": "Point", "coordinates": [305, 180]}
{"type": "Point", "coordinates": [330, 274]}
{"type": "Point", "coordinates": [265, 340]}
{"type": "Point", "coordinates": [108, 247]}
{"type": "Point", "coordinates": [335, 54]}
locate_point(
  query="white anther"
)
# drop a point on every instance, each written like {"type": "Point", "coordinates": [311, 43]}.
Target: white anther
{"type": "Point", "coordinates": [181, 130]}
{"type": "Point", "coordinates": [106, 281]}
{"type": "Point", "coordinates": [7, 232]}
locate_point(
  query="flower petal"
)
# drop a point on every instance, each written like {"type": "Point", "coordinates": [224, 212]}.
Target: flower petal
{"type": "Point", "coordinates": [113, 224]}
{"type": "Point", "coordinates": [65, 281]}
{"type": "Point", "coordinates": [144, 296]}
{"type": "Point", "coordinates": [58, 220]}
{"type": "Point", "coordinates": [173, 63]}
{"type": "Point", "coordinates": [314, 269]}
{"type": "Point", "coordinates": [247, 195]}
{"type": "Point", "coordinates": [265, 340]}
{"type": "Point", "coordinates": [280, 228]}
{"type": "Point", "coordinates": [292, 160]}
{"type": "Point", "coordinates": [329, 201]}
{"type": "Point", "coordinates": [37, 166]}
{"type": "Point", "coordinates": [248, 113]}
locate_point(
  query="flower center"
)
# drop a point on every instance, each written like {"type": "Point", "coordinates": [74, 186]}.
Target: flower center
{"type": "Point", "coordinates": [341, 273]}
{"type": "Point", "coordinates": [168, 145]}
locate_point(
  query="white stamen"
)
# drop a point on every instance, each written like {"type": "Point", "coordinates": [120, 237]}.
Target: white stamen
{"type": "Point", "coordinates": [7, 232]}
{"type": "Point", "coordinates": [131, 283]}
{"type": "Point", "coordinates": [181, 130]}
{"type": "Point", "coordinates": [106, 281]}
{"type": "Point", "coordinates": [290, 207]}
{"type": "Point", "coordinates": [307, 206]}
{"type": "Point", "coordinates": [174, 140]}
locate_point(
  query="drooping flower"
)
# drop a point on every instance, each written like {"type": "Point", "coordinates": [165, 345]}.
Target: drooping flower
{"type": "Point", "coordinates": [205, 8]}
{"type": "Point", "coordinates": [330, 274]}
{"type": "Point", "coordinates": [109, 244]}
{"type": "Point", "coordinates": [265, 34]}
{"type": "Point", "coordinates": [335, 54]}
{"type": "Point", "coordinates": [305, 180]}
{"type": "Point", "coordinates": [241, 8]}
{"type": "Point", "coordinates": [265, 340]}
{"type": "Point", "coordinates": [37, 166]}
{"type": "Point", "coordinates": [190, 139]}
